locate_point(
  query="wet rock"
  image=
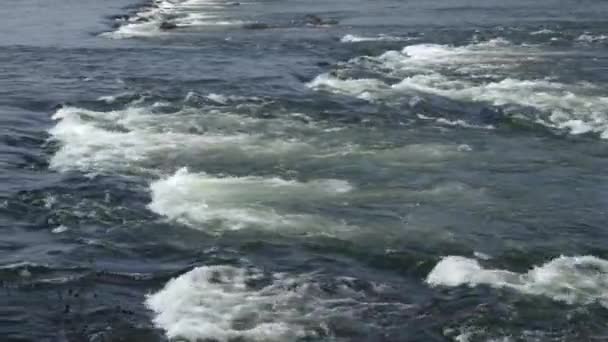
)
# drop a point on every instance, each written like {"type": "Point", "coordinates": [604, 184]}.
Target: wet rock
{"type": "Point", "coordinates": [339, 74]}
{"type": "Point", "coordinates": [120, 17]}
{"type": "Point", "coordinates": [315, 20]}
{"type": "Point", "coordinates": [141, 20]}
{"type": "Point", "coordinates": [167, 25]}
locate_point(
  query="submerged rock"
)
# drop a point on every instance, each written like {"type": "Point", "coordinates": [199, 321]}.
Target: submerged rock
{"type": "Point", "coordinates": [256, 26]}
{"type": "Point", "coordinates": [491, 115]}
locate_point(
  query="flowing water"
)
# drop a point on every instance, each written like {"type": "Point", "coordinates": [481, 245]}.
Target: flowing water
{"type": "Point", "coordinates": [264, 170]}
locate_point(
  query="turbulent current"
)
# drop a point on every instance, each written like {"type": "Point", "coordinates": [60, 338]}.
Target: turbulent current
{"type": "Point", "coordinates": [348, 170]}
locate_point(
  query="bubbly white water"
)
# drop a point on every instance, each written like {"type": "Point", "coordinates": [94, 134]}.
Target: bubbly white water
{"type": "Point", "coordinates": [574, 280]}
{"type": "Point", "coordinates": [365, 89]}
{"type": "Point", "coordinates": [474, 73]}
{"type": "Point", "coordinates": [87, 146]}
{"type": "Point", "coordinates": [210, 302]}
{"type": "Point", "coordinates": [542, 32]}
{"type": "Point", "coordinates": [569, 107]}
{"type": "Point", "coordinates": [60, 229]}
{"type": "Point", "coordinates": [157, 138]}
{"type": "Point", "coordinates": [239, 202]}
{"type": "Point", "coordinates": [591, 38]}
{"type": "Point", "coordinates": [223, 303]}
{"type": "Point", "coordinates": [129, 139]}
{"type": "Point", "coordinates": [181, 13]}
{"type": "Point", "coordinates": [351, 38]}
{"type": "Point", "coordinates": [459, 122]}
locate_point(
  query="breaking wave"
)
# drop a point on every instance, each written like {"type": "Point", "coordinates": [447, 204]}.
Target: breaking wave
{"type": "Point", "coordinates": [139, 136]}
{"type": "Point", "coordinates": [226, 303]}
{"type": "Point", "coordinates": [591, 38]}
{"type": "Point", "coordinates": [482, 73]}
{"type": "Point", "coordinates": [239, 202]}
{"type": "Point", "coordinates": [573, 280]}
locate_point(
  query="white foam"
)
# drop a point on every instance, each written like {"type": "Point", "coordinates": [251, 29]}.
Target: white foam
{"type": "Point", "coordinates": [133, 30]}
{"type": "Point", "coordinates": [542, 32]}
{"type": "Point", "coordinates": [60, 229]}
{"type": "Point", "coordinates": [577, 108]}
{"type": "Point", "coordinates": [573, 107]}
{"type": "Point", "coordinates": [591, 38]}
{"type": "Point", "coordinates": [454, 123]}
{"type": "Point", "coordinates": [239, 202]}
{"type": "Point", "coordinates": [420, 59]}
{"type": "Point", "coordinates": [210, 302]}
{"type": "Point", "coordinates": [574, 280]}
{"type": "Point", "coordinates": [361, 88]}
{"type": "Point", "coordinates": [469, 334]}
{"type": "Point", "coordinates": [484, 56]}
{"type": "Point", "coordinates": [472, 73]}
{"type": "Point", "coordinates": [132, 138]}
{"type": "Point", "coordinates": [482, 255]}
{"type": "Point", "coordinates": [494, 42]}
{"type": "Point", "coordinates": [182, 14]}
{"type": "Point", "coordinates": [49, 201]}
{"type": "Point", "coordinates": [351, 38]}
{"type": "Point", "coordinates": [88, 147]}
{"type": "Point", "coordinates": [225, 99]}
{"type": "Point", "coordinates": [223, 303]}
{"type": "Point", "coordinates": [108, 98]}
{"type": "Point", "coordinates": [218, 98]}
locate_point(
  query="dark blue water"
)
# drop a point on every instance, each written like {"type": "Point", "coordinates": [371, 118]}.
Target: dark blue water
{"type": "Point", "coordinates": [303, 170]}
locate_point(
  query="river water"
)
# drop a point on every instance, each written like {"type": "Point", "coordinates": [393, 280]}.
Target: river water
{"type": "Point", "coordinates": [264, 170]}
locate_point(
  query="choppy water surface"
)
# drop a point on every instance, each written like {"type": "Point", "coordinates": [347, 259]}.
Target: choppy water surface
{"type": "Point", "coordinates": [297, 170]}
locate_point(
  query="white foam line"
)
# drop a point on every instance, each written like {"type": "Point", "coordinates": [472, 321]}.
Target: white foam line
{"type": "Point", "coordinates": [182, 14]}
{"type": "Point", "coordinates": [351, 38]}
